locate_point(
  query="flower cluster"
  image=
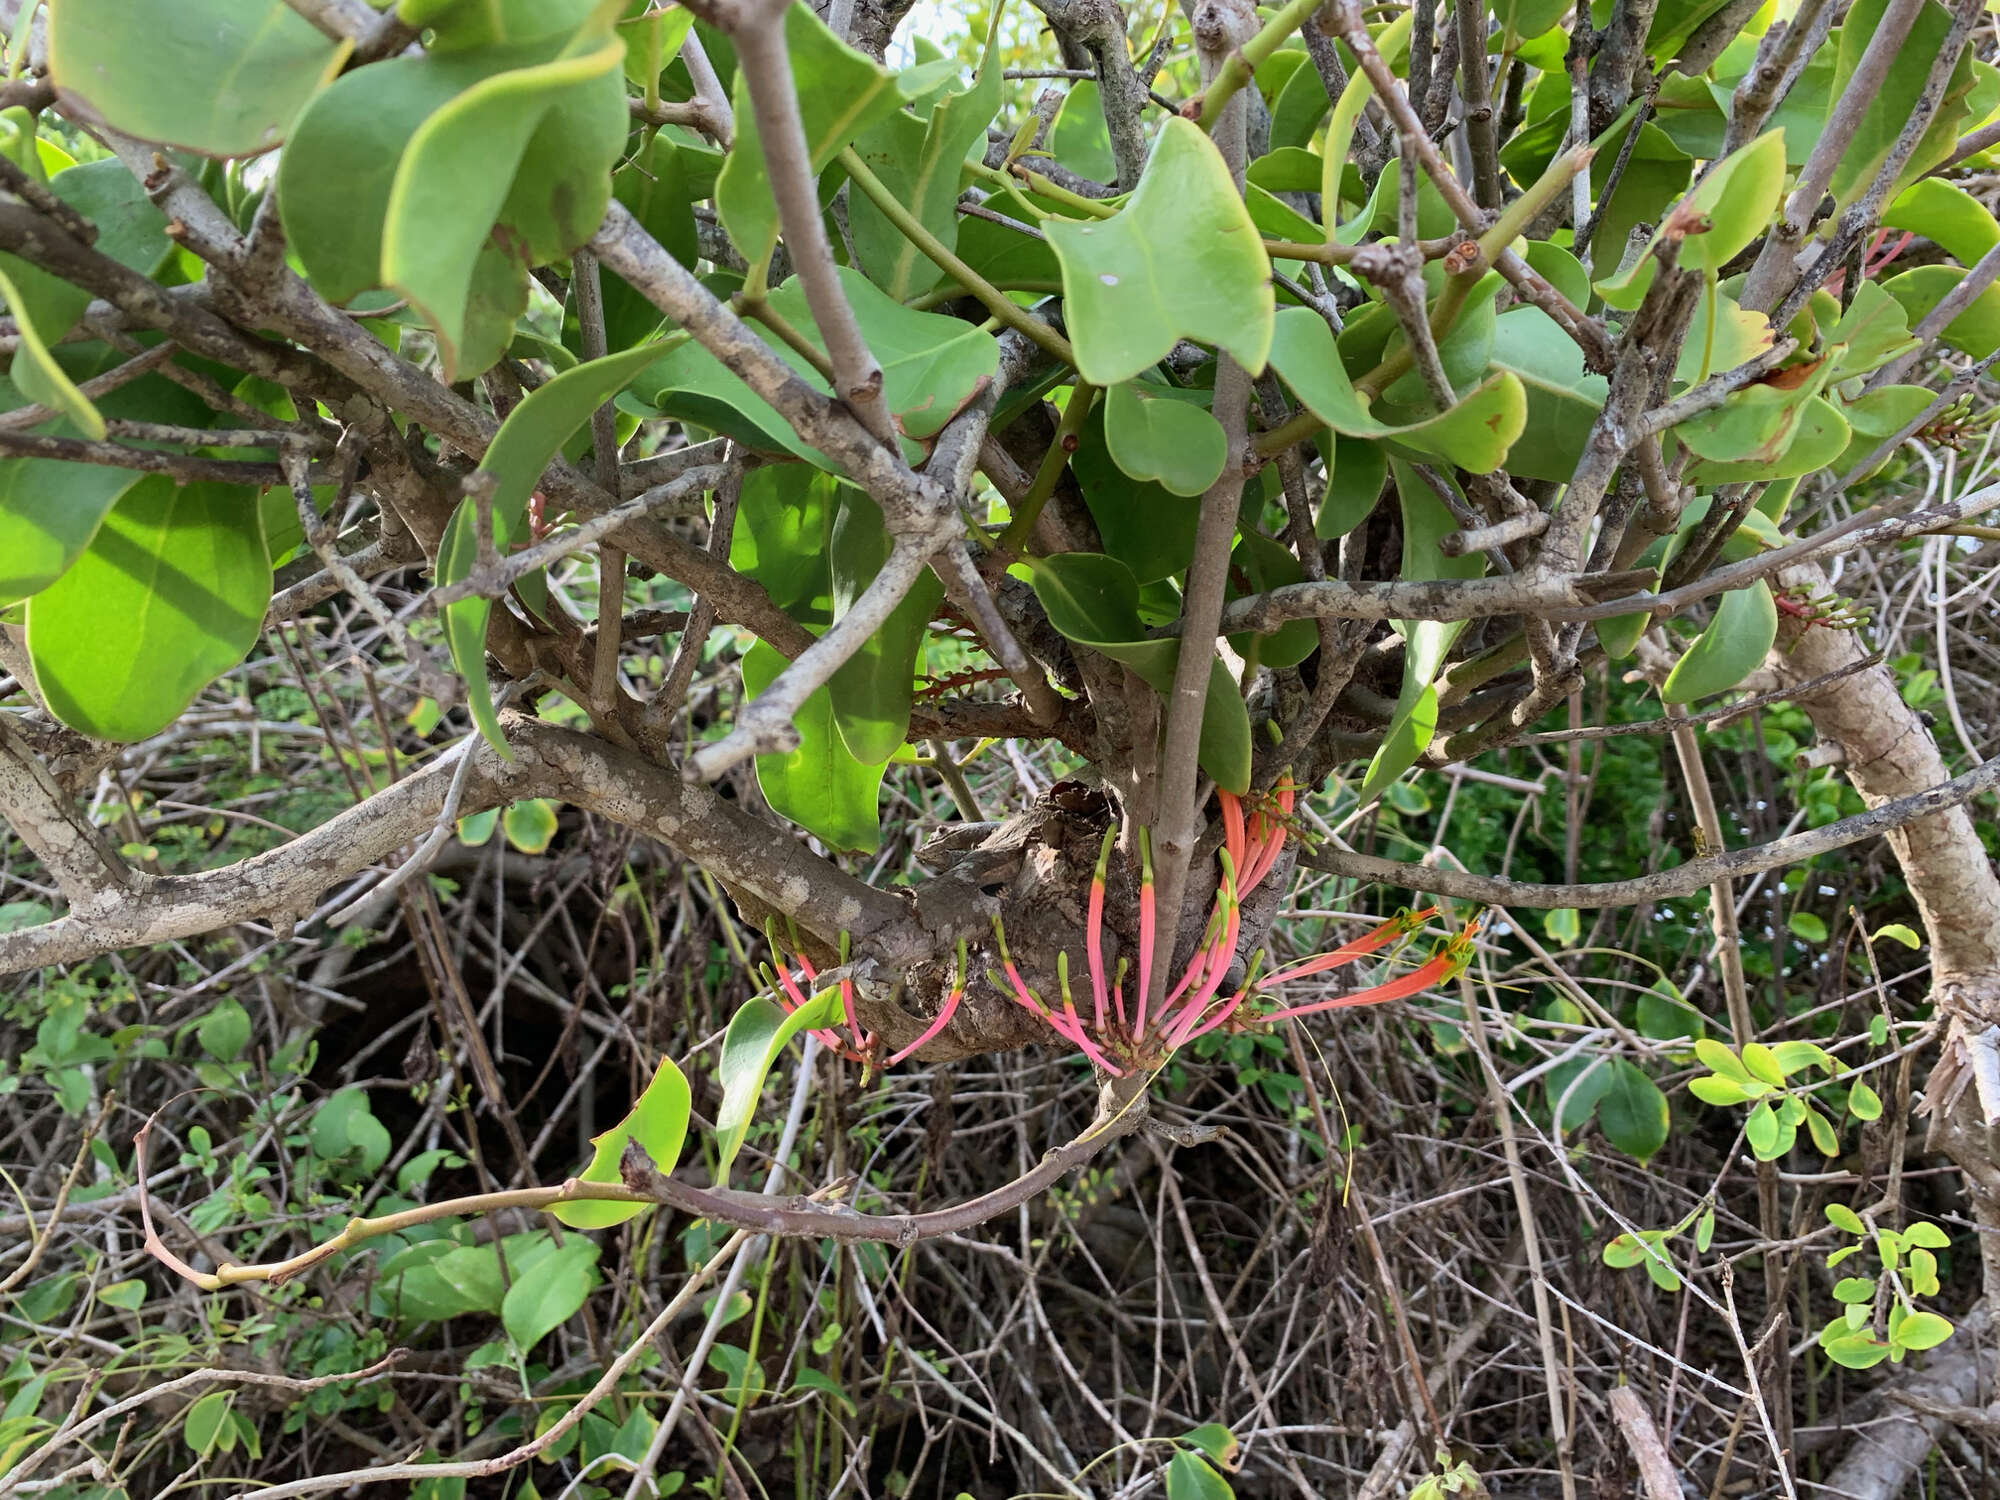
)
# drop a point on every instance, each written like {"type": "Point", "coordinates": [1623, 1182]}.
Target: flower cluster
{"type": "Point", "coordinates": [1116, 1036]}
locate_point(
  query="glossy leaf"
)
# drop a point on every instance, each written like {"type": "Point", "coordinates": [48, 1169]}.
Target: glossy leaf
{"type": "Point", "coordinates": [658, 1121]}
{"type": "Point", "coordinates": [48, 513]}
{"type": "Point", "coordinates": [688, 382]}
{"type": "Point", "coordinates": [921, 161]}
{"type": "Point", "coordinates": [1729, 650]}
{"type": "Point", "coordinates": [1181, 260]}
{"type": "Point", "coordinates": [1900, 96]}
{"type": "Point", "coordinates": [1425, 642]}
{"type": "Point", "coordinates": [655, 187]}
{"type": "Point", "coordinates": [1355, 472]}
{"type": "Point", "coordinates": [527, 441]}
{"type": "Point", "coordinates": [1735, 201]}
{"type": "Point", "coordinates": [1094, 600]}
{"type": "Point", "coordinates": [1190, 1478]}
{"type": "Point", "coordinates": [1153, 436]}
{"type": "Point", "coordinates": [1144, 525]}
{"type": "Point", "coordinates": [820, 786]}
{"type": "Point", "coordinates": [1975, 331]}
{"type": "Point", "coordinates": [44, 309]}
{"type": "Point", "coordinates": [783, 517]}
{"type": "Point", "coordinates": [1262, 564]}
{"type": "Point", "coordinates": [757, 1034]}
{"type": "Point", "coordinates": [487, 152]}
{"type": "Point", "coordinates": [1633, 1112]}
{"type": "Point", "coordinates": [260, 58]}
{"type": "Point", "coordinates": [841, 94]}
{"type": "Point", "coordinates": [169, 595]}
{"type": "Point", "coordinates": [1562, 399]}
{"type": "Point", "coordinates": [871, 693]}
{"type": "Point", "coordinates": [1476, 434]}
{"type": "Point", "coordinates": [931, 364]}
{"type": "Point", "coordinates": [1391, 42]}
{"type": "Point", "coordinates": [530, 824]}
{"type": "Point", "coordinates": [535, 1306]}
{"type": "Point", "coordinates": [1078, 137]}
{"type": "Point", "coordinates": [1948, 216]}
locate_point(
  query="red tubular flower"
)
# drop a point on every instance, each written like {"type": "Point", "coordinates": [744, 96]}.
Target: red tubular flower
{"type": "Point", "coordinates": [1148, 928]}
{"type": "Point", "coordinates": [1094, 926]}
{"type": "Point", "coordinates": [1442, 965]}
{"type": "Point", "coordinates": [1390, 931]}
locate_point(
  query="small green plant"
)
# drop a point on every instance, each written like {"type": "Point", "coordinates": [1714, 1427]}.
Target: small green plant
{"type": "Point", "coordinates": [1879, 1316]}
{"type": "Point", "coordinates": [1648, 1247]}
{"type": "Point", "coordinates": [1776, 1078]}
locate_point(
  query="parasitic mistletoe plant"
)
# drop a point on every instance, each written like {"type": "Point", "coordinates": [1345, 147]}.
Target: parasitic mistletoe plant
{"type": "Point", "coordinates": [741, 425]}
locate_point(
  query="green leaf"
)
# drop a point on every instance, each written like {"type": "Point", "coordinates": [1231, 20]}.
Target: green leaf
{"type": "Point", "coordinates": [1736, 199]}
{"type": "Point", "coordinates": [481, 159]}
{"type": "Point", "coordinates": [654, 186]}
{"type": "Point", "coordinates": [1899, 932]}
{"type": "Point", "coordinates": [1722, 1092]}
{"type": "Point", "coordinates": [530, 824]}
{"type": "Point", "coordinates": [658, 1121]}
{"type": "Point", "coordinates": [203, 1423]}
{"type": "Point", "coordinates": [1863, 1102]}
{"type": "Point", "coordinates": [343, 1127]}
{"type": "Point", "coordinates": [690, 383]}
{"type": "Point", "coordinates": [1768, 1138]}
{"type": "Point", "coordinates": [1975, 331]}
{"type": "Point", "coordinates": [757, 1034]}
{"type": "Point", "coordinates": [841, 94]}
{"type": "Point", "coordinates": [1624, 1251]}
{"type": "Point", "coordinates": [1927, 1235]}
{"type": "Point", "coordinates": [1262, 564]}
{"type": "Point", "coordinates": [1563, 400]}
{"type": "Point", "coordinates": [1476, 434]}
{"type": "Point", "coordinates": [820, 786]}
{"type": "Point", "coordinates": [1948, 216]}
{"type": "Point", "coordinates": [1763, 1064]}
{"type": "Point", "coordinates": [1216, 1442]}
{"type": "Point", "coordinates": [526, 443]}
{"type": "Point", "coordinates": [1094, 600]}
{"type": "Point", "coordinates": [783, 521]}
{"type": "Point", "coordinates": [1392, 42]}
{"type": "Point", "coordinates": [1807, 927]}
{"type": "Point", "coordinates": [260, 59]}
{"type": "Point", "coordinates": [44, 309]}
{"type": "Point", "coordinates": [1633, 1112]}
{"type": "Point", "coordinates": [225, 1031]}
{"type": "Point", "coordinates": [1704, 1231]}
{"type": "Point", "coordinates": [477, 829]}
{"type": "Point", "coordinates": [169, 595]}
{"type": "Point", "coordinates": [1730, 649]}
{"type": "Point", "coordinates": [1664, 1016]}
{"type": "Point", "coordinates": [1820, 1128]}
{"type": "Point", "coordinates": [1152, 436]}
{"type": "Point", "coordinates": [807, 1379]}
{"type": "Point", "coordinates": [1851, 1289]}
{"type": "Point", "coordinates": [1844, 1218]}
{"type": "Point", "coordinates": [1425, 520]}
{"type": "Point", "coordinates": [537, 1305]}
{"type": "Point", "coordinates": [1078, 138]}
{"type": "Point", "coordinates": [1181, 260]}
{"type": "Point", "coordinates": [127, 1295]}
{"type": "Point", "coordinates": [1562, 925]}
{"type": "Point", "coordinates": [1853, 1352]}
{"type": "Point", "coordinates": [1923, 1330]}
{"type": "Point", "coordinates": [1190, 1478]}
{"type": "Point", "coordinates": [1796, 1057]}
{"type": "Point", "coordinates": [48, 513]}
{"type": "Point", "coordinates": [1355, 471]}
{"type": "Point", "coordinates": [922, 162]}
{"type": "Point", "coordinates": [872, 691]}
{"type": "Point", "coordinates": [931, 364]}
{"type": "Point", "coordinates": [1575, 1088]}
{"type": "Point", "coordinates": [1896, 99]}
{"type": "Point", "coordinates": [1144, 525]}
